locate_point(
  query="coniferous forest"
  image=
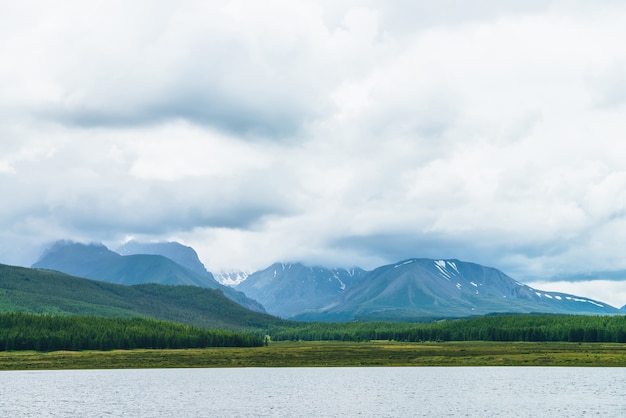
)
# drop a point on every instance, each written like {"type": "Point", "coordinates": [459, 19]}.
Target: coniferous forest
{"type": "Point", "coordinates": [518, 327]}
{"type": "Point", "coordinates": [21, 331]}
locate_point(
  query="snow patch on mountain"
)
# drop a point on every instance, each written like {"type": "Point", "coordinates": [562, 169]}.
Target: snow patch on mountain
{"type": "Point", "coordinates": [403, 263]}
{"type": "Point", "coordinates": [442, 266]}
{"type": "Point", "coordinates": [231, 278]}
{"type": "Point", "coordinates": [342, 285]}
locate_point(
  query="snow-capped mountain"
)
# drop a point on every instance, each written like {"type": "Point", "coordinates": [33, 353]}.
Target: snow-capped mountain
{"type": "Point", "coordinates": [429, 288]}
{"type": "Point", "coordinates": [292, 288]}
{"type": "Point", "coordinates": [407, 290]}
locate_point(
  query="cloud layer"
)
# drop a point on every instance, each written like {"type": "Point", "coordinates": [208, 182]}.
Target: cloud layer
{"type": "Point", "coordinates": [318, 131]}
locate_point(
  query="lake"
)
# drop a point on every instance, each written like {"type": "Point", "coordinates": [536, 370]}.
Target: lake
{"type": "Point", "coordinates": [316, 392]}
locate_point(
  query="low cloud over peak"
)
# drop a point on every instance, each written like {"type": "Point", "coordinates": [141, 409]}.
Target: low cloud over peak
{"type": "Point", "coordinates": [318, 130]}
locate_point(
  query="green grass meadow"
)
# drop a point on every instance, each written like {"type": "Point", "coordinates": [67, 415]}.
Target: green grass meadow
{"type": "Point", "coordinates": [332, 354]}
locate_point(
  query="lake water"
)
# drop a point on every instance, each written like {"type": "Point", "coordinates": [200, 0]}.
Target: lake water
{"type": "Point", "coordinates": [317, 392]}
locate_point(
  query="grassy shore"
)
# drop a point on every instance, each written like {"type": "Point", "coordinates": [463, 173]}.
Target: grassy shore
{"type": "Point", "coordinates": [332, 354]}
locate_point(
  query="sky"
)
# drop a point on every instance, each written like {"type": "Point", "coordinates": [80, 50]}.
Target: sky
{"type": "Point", "coordinates": [336, 133]}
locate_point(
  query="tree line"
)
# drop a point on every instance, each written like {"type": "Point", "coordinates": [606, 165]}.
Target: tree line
{"type": "Point", "coordinates": [519, 327]}
{"type": "Point", "coordinates": [24, 331]}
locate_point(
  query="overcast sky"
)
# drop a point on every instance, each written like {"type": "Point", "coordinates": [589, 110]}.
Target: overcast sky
{"type": "Point", "coordinates": [337, 133]}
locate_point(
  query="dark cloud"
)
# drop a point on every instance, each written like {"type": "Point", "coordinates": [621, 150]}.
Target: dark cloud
{"type": "Point", "coordinates": [222, 78]}
{"type": "Point", "coordinates": [214, 109]}
{"type": "Point", "coordinates": [401, 246]}
{"type": "Point", "coordinates": [117, 222]}
{"type": "Point", "coordinates": [158, 208]}
{"type": "Point", "coordinates": [480, 247]}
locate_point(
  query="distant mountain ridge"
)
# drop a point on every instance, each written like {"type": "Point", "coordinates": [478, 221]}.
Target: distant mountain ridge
{"type": "Point", "coordinates": [97, 262]}
{"type": "Point", "coordinates": [408, 290]}
{"type": "Point", "coordinates": [427, 287]}
{"type": "Point", "coordinates": [413, 289]}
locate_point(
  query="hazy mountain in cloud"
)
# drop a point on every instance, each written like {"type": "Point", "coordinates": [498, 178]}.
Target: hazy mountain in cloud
{"type": "Point", "coordinates": [181, 254]}
{"type": "Point", "coordinates": [97, 262]}
{"type": "Point", "coordinates": [291, 288]}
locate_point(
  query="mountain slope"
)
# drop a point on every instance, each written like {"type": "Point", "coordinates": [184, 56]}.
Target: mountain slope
{"type": "Point", "coordinates": [178, 253]}
{"type": "Point", "coordinates": [97, 262]}
{"type": "Point", "coordinates": [291, 289]}
{"type": "Point", "coordinates": [43, 291]}
{"type": "Point", "coordinates": [429, 288]}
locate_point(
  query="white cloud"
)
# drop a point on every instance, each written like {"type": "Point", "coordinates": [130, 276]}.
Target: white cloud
{"type": "Point", "coordinates": [611, 292]}
{"type": "Point", "coordinates": [178, 151]}
{"type": "Point", "coordinates": [318, 131]}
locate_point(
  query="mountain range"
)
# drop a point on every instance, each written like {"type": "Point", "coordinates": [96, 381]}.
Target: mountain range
{"type": "Point", "coordinates": [443, 288]}
{"type": "Point", "coordinates": [407, 290]}
{"type": "Point", "coordinates": [413, 289]}
{"type": "Point", "coordinates": [155, 264]}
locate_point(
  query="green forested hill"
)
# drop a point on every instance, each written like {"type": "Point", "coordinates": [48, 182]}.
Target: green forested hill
{"type": "Point", "coordinates": [44, 291]}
